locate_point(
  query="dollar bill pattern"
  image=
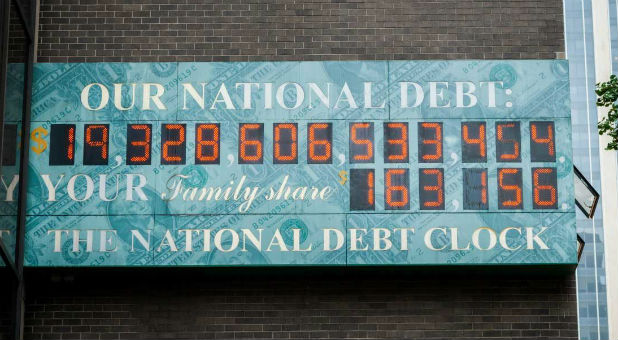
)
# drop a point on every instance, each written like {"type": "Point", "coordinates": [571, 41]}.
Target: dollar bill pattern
{"type": "Point", "coordinates": [540, 91]}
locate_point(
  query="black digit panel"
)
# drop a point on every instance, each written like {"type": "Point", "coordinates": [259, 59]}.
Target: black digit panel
{"type": "Point", "coordinates": [473, 142]}
{"type": "Point", "coordinates": [207, 139]}
{"type": "Point", "coordinates": [319, 143]}
{"type": "Point", "coordinates": [173, 144]}
{"type": "Point", "coordinates": [9, 144]}
{"type": "Point", "coordinates": [542, 142]}
{"type": "Point", "coordinates": [510, 188]}
{"type": "Point", "coordinates": [431, 189]}
{"type": "Point", "coordinates": [508, 142]}
{"type": "Point", "coordinates": [362, 189]}
{"type": "Point", "coordinates": [430, 142]}
{"type": "Point", "coordinates": [285, 143]}
{"type": "Point", "coordinates": [396, 189]}
{"type": "Point", "coordinates": [62, 144]}
{"type": "Point", "coordinates": [96, 144]}
{"type": "Point", "coordinates": [544, 188]}
{"type": "Point", "coordinates": [475, 195]}
{"type": "Point", "coordinates": [396, 142]}
{"type": "Point", "coordinates": [251, 143]}
{"type": "Point", "coordinates": [361, 143]}
{"type": "Point", "coordinates": [139, 144]}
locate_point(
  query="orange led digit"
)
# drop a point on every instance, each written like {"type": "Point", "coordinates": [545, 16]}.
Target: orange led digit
{"type": "Point", "coordinates": [431, 195]}
{"type": "Point", "coordinates": [430, 142]}
{"type": "Point", "coordinates": [544, 183]}
{"type": "Point", "coordinates": [542, 145]}
{"type": "Point", "coordinates": [362, 189]}
{"type": "Point", "coordinates": [71, 144]}
{"type": "Point", "coordinates": [139, 139]}
{"type": "Point", "coordinates": [396, 142]}
{"type": "Point", "coordinates": [508, 140]}
{"type": "Point", "coordinates": [61, 144]}
{"type": "Point", "coordinates": [319, 139]}
{"type": "Point", "coordinates": [96, 144]}
{"type": "Point", "coordinates": [549, 140]}
{"type": "Point", "coordinates": [475, 189]}
{"type": "Point", "coordinates": [250, 147]}
{"type": "Point", "coordinates": [361, 142]}
{"type": "Point", "coordinates": [169, 143]}
{"type": "Point", "coordinates": [173, 144]}
{"type": "Point", "coordinates": [100, 143]}
{"type": "Point", "coordinates": [509, 189]}
{"type": "Point", "coordinates": [484, 187]}
{"type": "Point", "coordinates": [370, 186]}
{"type": "Point", "coordinates": [473, 144]}
{"type": "Point", "coordinates": [286, 143]}
{"type": "Point", "coordinates": [207, 144]}
{"type": "Point", "coordinates": [396, 189]}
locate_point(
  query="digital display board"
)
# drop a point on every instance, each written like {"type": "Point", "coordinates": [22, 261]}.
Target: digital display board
{"type": "Point", "coordinates": [302, 163]}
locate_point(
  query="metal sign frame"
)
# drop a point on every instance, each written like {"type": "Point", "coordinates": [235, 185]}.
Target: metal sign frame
{"type": "Point", "coordinates": [590, 211]}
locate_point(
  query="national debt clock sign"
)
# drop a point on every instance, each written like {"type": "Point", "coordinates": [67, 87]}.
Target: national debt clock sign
{"type": "Point", "coordinates": [299, 163]}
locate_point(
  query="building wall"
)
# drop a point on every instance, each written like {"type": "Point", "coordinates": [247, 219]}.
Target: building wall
{"type": "Point", "coordinates": [584, 38]}
{"type": "Point", "coordinates": [313, 302]}
{"type": "Point", "coordinates": [240, 30]}
{"type": "Point", "coordinates": [604, 17]}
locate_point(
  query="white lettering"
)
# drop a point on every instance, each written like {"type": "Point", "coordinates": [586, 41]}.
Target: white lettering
{"type": "Point", "coordinates": [300, 96]}
{"type": "Point", "coordinates": [51, 188]}
{"type": "Point", "coordinates": [57, 238]}
{"type": "Point", "coordinates": [434, 94]}
{"type": "Point", "coordinates": [428, 236]}
{"type": "Point", "coordinates": [11, 187]}
{"type": "Point", "coordinates": [156, 98]}
{"type": "Point", "coordinates": [476, 236]}
{"type": "Point", "coordinates": [188, 88]}
{"type": "Point", "coordinates": [420, 95]}
{"type": "Point", "coordinates": [136, 234]}
{"type": "Point", "coordinates": [89, 187]}
{"type": "Point", "coordinates": [107, 237]}
{"type": "Point", "coordinates": [219, 240]}
{"type": "Point", "coordinates": [246, 101]}
{"type": "Point", "coordinates": [338, 234]}
{"type": "Point", "coordinates": [368, 97]}
{"type": "Point", "coordinates": [533, 238]}
{"type": "Point", "coordinates": [225, 98]}
{"type": "Point", "coordinates": [357, 240]}
{"type": "Point", "coordinates": [86, 95]}
{"type": "Point", "coordinates": [103, 188]}
{"type": "Point", "coordinates": [89, 240]}
{"type": "Point", "coordinates": [502, 238]}
{"type": "Point", "coordinates": [461, 94]}
{"type": "Point", "coordinates": [137, 188]}
{"type": "Point", "coordinates": [118, 97]}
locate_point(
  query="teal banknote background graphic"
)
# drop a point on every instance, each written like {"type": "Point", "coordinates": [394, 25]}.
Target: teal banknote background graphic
{"type": "Point", "coordinates": [248, 208]}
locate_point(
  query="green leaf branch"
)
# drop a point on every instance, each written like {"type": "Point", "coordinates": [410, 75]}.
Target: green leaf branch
{"type": "Point", "coordinates": [607, 95]}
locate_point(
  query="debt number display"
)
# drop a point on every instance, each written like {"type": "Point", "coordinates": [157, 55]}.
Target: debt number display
{"type": "Point", "coordinates": [395, 148]}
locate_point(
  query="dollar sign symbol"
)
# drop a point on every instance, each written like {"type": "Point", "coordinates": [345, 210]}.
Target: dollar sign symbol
{"type": "Point", "coordinates": [37, 136]}
{"type": "Point", "coordinates": [344, 177]}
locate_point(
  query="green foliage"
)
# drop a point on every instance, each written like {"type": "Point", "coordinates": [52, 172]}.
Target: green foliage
{"type": "Point", "coordinates": [607, 96]}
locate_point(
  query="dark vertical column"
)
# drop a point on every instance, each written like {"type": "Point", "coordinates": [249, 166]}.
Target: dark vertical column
{"type": "Point", "coordinates": [5, 8]}
{"type": "Point", "coordinates": [28, 20]}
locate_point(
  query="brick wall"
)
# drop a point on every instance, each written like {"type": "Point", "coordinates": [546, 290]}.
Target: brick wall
{"type": "Point", "coordinates": [308, 303]}
{"type": "Point", "coordinates": [290, 304]}
{"type": "Point", "coordinates": [242, 30]}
